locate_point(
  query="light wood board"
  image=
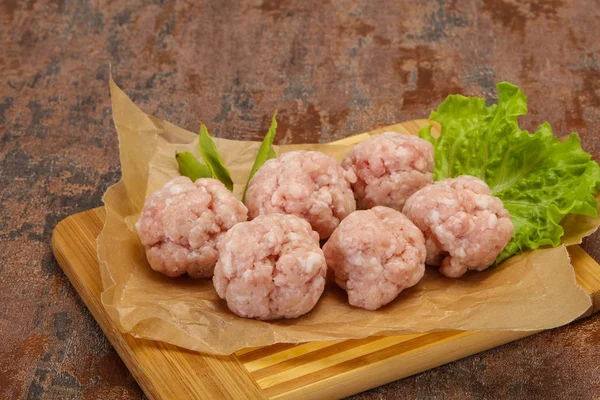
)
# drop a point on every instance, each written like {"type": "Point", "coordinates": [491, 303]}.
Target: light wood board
{"type": "Point", "coordinates": [283, 371]}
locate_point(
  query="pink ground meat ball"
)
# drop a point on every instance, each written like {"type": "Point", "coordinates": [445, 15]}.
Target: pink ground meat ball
{"type": "Point", "coordinates": [181, 222]}
{"type": "Point", "coordinates": [389, 168]}
{"type": "Point", "coordinates": [465, 227]}
{"type": "Point", "coordinates": [271, 267]}
{"type": "Point", "coordinates": [308, 184]}
{"type": "Point", "coordinates": [375, 254]}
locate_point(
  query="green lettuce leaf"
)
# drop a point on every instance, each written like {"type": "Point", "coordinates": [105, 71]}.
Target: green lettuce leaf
{"type": "Point", "coordinates": [539, 178]}
{"type": "Point", "coordinates": [265, 152]}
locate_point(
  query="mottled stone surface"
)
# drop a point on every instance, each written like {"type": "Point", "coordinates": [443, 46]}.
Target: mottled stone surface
{"type": "Point", "coordinates": [333, 68]}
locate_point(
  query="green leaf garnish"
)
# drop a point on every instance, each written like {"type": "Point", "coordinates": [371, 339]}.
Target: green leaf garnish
{"type": "Point", "coordinates": [190, 167]}
{"type": "Point", "coordinates": [539, 178]}
{"type": "Point", "coordinates": [210, 154]}
{"type": "Point", "coordinates": [265, 152]}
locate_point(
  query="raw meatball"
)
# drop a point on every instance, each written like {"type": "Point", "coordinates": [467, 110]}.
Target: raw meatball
{"type": "Point", "coordinates": [181, 222]}
{"type": "Point", "coordinates": [389, 168]}
{"type": "Point", "coordinates": [308, 184]}
{"type": "Point", "coordinates": [375, 254]}
{"type": "Point", "coordinates": [271, 267]}
{"type": "Point", "coordinates": [465, 227]}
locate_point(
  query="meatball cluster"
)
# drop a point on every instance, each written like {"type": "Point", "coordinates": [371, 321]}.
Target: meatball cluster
{"type": "Point", "coordinates": [308, 184]}
{"type": "Point", "coordinates": [271, 267]}
{"type": "Point", "coordinates": [465, 227]}
{"type": "Point", "coordinates": [375, 254]}
{"type": "Point", "coordinates": [181, 222]}
{"type": "Point", "coordinates": [389, 168]}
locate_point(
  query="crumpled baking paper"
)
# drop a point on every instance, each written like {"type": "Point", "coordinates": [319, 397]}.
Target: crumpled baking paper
{"type": "Point", "coordinates": [534, 291]}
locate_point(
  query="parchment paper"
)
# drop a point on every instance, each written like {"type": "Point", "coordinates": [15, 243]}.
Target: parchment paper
{"type": "Point", "coordinates": [533, 291]}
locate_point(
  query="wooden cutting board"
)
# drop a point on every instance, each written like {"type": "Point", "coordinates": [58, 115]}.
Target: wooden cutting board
{"type": "Point", "coordinates": [282, 371]}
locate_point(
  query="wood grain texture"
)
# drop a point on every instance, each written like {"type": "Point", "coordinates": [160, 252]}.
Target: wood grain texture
{"type": "Point", "coordinates": [282, 371]}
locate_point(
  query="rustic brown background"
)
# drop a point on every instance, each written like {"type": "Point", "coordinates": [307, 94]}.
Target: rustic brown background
{"type": "Point", "coordinates": [333, 68]}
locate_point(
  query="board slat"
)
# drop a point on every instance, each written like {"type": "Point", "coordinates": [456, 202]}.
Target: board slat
{"type": "Point", "coordinates": [282, 371]}
{"type": "Point", "coordinates": [297, 368]}
{"type": "Point", "coordinates": [434, 349]}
